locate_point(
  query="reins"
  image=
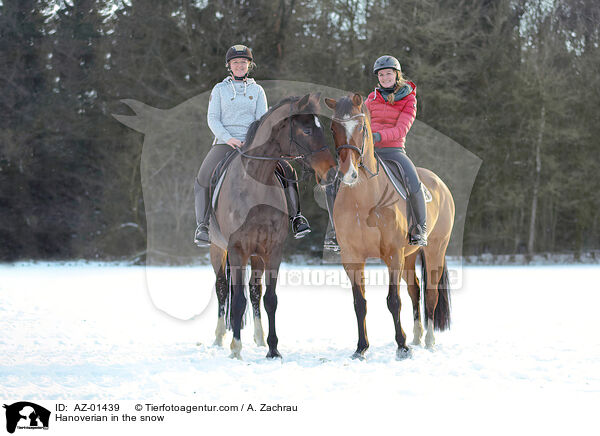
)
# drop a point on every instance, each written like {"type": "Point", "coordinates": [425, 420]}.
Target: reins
{"type": "Point", "coordinates": [290, 156]}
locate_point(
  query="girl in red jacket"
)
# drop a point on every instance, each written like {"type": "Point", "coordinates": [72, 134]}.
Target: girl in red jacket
{"type": "Point", "coordinates": [393, 107]}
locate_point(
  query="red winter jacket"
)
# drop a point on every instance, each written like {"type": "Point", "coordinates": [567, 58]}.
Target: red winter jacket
{"type": "Point", "coordinates": [392, 120]}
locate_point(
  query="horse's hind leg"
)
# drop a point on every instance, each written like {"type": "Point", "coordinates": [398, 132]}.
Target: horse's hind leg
{"type": "Point", "coordinates": [218, 257]}
{"type": "Point", "coordinates": [414, 291]}
{"type": "Point", "coordinates": [437, 303]}
{"type": "Point", "coordinates": [237, 264]}
{"type": "Point", "coordinates": [255, 295]}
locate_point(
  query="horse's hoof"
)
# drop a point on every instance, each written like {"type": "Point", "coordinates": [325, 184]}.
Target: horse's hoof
{"type": "Point", "coordinates": [273, 354]}
{"type": "Point", "coordinates": [236, 349]}
{"type": "Point", "coordinates": [358, 356]}
{"type": "Point", "coordinates": [218, 343]}
{"type": "Point", "coordinates": [403, 353]}
{"type": "Point", "coordinates": [416, 342]}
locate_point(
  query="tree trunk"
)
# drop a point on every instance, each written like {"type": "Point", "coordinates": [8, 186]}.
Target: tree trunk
{"type": "Point", "coordinates": [536, 180]}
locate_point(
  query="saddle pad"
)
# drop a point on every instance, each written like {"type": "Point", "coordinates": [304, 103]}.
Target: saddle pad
{"type": "Point", "coordinates": [396, 183]}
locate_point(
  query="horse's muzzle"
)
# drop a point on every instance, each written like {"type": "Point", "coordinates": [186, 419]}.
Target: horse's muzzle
{"type": "Point", "coordinates": [350, 177]}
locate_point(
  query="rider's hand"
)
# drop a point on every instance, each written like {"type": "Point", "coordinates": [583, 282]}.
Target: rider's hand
{"type": "Point", "coordinates": [234, 142]}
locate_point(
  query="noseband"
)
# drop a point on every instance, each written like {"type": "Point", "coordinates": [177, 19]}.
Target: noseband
{"type": "Point", "coordinates": [360, 150]}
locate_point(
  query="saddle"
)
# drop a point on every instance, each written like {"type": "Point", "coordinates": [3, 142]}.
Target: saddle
{"type": "Point", "coordinates": [395, 174]}
{"type": "Point", "coordinates": [218, 175]}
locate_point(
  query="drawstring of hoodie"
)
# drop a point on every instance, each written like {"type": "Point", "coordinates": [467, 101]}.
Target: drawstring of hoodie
{"type": "Point", "coordinates": [374, 93]}
{"type": "Point", "coordinates": [233, 86]}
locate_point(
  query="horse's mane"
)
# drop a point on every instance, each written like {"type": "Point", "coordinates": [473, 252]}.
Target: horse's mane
{"type": "Point", "coordinates": [255, 125]}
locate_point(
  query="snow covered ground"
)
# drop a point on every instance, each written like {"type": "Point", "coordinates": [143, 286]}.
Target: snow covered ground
{"type": "Point", "coordinates": [522, 354]}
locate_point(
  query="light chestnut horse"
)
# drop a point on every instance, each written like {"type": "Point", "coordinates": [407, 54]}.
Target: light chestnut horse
{"type": "Point", "coordinates": [370, 219]}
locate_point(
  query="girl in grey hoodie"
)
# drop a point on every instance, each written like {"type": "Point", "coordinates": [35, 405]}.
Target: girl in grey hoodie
{"type": "Point", "coordinates": [234, 104]}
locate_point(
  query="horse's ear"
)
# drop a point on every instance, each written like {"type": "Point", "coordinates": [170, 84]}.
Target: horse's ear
{"type": "Point", "coordinates": [303, 102]}
{"type": "Point", "coordinates": [317, 97]}
{"type": "Point", "coordinates": [330, 102]}
{"type": "Point", "coordinates": [144, 115]}
{"type": "Point", "coordinates": [357, 99]}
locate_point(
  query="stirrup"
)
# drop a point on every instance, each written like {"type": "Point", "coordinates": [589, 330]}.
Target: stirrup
{"type": "Point", "coordinates": [418, 235]}
{"type": "Point", "coordinates": [201, 237]}
{"type": "Point", "coordinates": [300, 226]}
{"type": "Point", "coordinates": [331, 242]}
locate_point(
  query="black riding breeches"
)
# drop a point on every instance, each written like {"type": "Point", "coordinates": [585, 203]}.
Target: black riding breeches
{"type": "Point", "coordinates": [397, 154]}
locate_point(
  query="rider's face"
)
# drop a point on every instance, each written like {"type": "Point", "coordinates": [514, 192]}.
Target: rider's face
{"type": "Point", "coordinates": [239, 66]}
{"type": "Point", "coordinates": [387, 77]}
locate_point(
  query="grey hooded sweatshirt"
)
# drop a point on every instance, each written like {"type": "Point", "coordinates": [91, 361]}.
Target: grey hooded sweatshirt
{"type": "Point", "coordinates": [233, 106]}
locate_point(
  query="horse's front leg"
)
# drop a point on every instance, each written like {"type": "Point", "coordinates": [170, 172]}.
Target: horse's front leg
{"type": "Point", "coordinates": [395, 266]}
{"type": "Point", "coordinates": [238, 302]}
{"type": "Point", "coordinates": [270, 302]}
{"type": "Point", "coordinates": [255, 295]}
{"type": "Point", "coordinates": [356, 274]}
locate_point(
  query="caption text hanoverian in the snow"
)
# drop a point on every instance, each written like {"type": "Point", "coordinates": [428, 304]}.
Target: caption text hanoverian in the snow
{"type": "Point", "coordinates": [151, 412]}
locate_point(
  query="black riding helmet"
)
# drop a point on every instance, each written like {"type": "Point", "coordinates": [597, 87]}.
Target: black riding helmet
{"type": "Point", "coordinates": [386, 61]}
{"type": "Point", "coordinates": [238, 51]}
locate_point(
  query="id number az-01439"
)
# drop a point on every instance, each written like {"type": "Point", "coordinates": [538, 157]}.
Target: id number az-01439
{"type": "Point", "coordinates": [85, 407]}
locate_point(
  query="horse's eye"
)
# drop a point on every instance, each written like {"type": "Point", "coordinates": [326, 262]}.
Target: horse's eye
{"type": "Point", "coordinates": [307, 131]}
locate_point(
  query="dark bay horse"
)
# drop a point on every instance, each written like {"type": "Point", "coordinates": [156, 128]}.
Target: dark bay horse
{"type": "Point", "coordinates": [252, 213]}
{"type": "Point", "coordinates": [370, 221]}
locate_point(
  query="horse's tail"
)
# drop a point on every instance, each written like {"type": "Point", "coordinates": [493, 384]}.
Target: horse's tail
{"type": "Point", "coordinates": [230, 295]}
{"type": "Point", "coordinates": [441, 317]}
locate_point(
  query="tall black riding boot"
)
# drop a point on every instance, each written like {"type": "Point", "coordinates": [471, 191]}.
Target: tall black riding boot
{"type": "Point", "coordinates": [300, 226]}
{"type": "Point", "coordinates": [330, 242]}
{"type": "Point", "coordinates": [202, 202]}
{"type": "Point", "coordinates": [417, 234]}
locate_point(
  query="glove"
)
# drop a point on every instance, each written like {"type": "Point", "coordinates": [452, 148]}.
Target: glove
{"type": "Point", "coordinates": [376, 137]}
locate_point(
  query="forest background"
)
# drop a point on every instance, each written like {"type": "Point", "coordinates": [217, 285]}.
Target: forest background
{"type": "Point", "coordinates": [513, 81]}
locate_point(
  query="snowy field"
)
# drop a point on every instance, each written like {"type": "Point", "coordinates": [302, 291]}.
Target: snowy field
{"type": "Point", "coordinates": [522, 355]}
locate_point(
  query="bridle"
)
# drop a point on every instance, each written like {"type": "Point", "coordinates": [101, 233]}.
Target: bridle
{"type": "Point", "coordinates": [290, 156]}
{"type": "Point", "coordinates": [362, 115]}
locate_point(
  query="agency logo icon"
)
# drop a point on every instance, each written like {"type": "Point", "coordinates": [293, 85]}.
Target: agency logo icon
{"type": "Point", "coordinates": [26, 415]}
